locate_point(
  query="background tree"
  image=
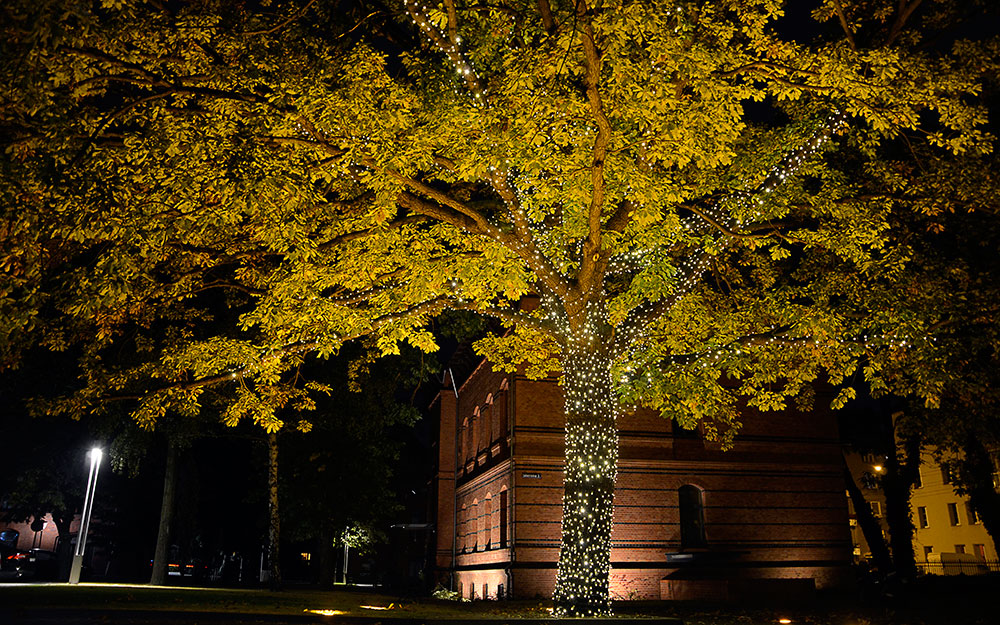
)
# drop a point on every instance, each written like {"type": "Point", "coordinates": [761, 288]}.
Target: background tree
{"type": "Point", "coordinates": [662, 176]}
{"type": "Point", "coordinates": [339, 475]}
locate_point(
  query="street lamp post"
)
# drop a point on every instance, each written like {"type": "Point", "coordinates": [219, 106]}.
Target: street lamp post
{"type": "Point", "coordinates": [88, 505]}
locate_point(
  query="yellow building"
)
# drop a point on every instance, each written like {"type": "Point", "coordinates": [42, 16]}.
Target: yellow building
{"type": "Point", "coordinates": [865, 469]}
{"type": "Point", "coordinates": [944, 522]}
{"type": "Point", "coordinates": [948, 537]}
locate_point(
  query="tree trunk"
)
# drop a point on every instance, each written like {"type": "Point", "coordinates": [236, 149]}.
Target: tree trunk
{"type": "Point", "coordinates": [900, 474]}
{"type": "Point", "coordinates": [976, 473]}
{"type": "Point", "coordinates": [869, 525]}
{"type": "Point", "coordinates": [64, 548]}
{"type": "Point", "coordinates": [589, 488]}
{"type": "Point", "coordinates": [274, 520]}
{"type": "Point", "coordinates": [327, 573]}
{"type": "Point", "coordinates": [161, 553]}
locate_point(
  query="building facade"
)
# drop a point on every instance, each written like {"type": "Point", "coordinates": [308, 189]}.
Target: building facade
{"type": "Point", "coordinates": [948, 537]}
{"type": "Point", "coordinates": [690, 520]}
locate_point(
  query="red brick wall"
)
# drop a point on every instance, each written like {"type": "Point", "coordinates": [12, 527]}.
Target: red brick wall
{"type": "Point", "coordinates": [773, 505]}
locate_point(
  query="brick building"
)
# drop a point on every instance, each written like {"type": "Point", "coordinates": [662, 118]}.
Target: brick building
{"type": "Point", "coordinates": [767, 516]}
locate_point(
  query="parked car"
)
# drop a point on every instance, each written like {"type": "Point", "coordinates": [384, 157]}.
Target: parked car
{"type": "Point", "coordinates": [34, 564]}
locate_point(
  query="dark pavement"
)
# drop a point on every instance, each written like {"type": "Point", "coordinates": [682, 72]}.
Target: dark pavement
{"type": "Point", "coordinates": [149, 617]}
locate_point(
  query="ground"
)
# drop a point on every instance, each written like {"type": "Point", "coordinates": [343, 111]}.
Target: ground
{"type": "Point", "coordinates": [929, 602]}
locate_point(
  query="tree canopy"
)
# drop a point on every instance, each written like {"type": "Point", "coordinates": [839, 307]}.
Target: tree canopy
{"type": "Point", "coordinates": [711, 200]}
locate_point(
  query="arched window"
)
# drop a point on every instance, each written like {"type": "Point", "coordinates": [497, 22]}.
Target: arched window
{"type": "Point", "coordinates": [474, 525]}
{"type": "Point", "coordinates": [503, 519]}
{"type": "Point", "coordinates": [500, 411]}
{"type": "Point", "coordinates": [463, 446]}
{"type": "Point", "coordinates": [470, 437]}
{"type": "Point", "coordinates": [489, 422]}
{"type": "Point", "coordinates": [487, 522]}
{"type": "Point", "coordinates": [463, 528]}
{"type": "Point", "coordinates": [692, 509]}
{"type": "Point", "coordinates": [484, 430]}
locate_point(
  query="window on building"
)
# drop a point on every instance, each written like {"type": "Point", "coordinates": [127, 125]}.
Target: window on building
{"type": "Point", "coordinates": [468, 441]}
{"type": "Point", "coordinates": [959, 548]}
{"type": "Point", "coordinates": [946, 474]}
{"type": "Point", "coordinates": [679, 431]}
{"type": "Point", "coordinates": [692, 512]}
{"type": "Point", "coordinates": [487, 522]}
{"type": "Point", "coordinates": [474, 526]}
{"type": "Point", "coordinates": [922, 521]}
{"type": "Point", "coordinates": [484, 431]}
{"type": "Point", "coordinates": [475, 434]}
{"type": "Point", "coordinates": [503, 519]}
{"type": "Point", "coordinates": [979, 550]}
{"type": "Point", "coordinates": [970, 511]}
{"type": "Point", "coordinates": [876, 508]}
{"type": "Point", "coordinates": [928, 550]}
{"type": "Point", "coordinates": [918, 481]}
{"type": "Point", "coordinates": [463, 527]}
{"type": "Point", "coordinates": [500, 408]}
{"type": "Point", "coordinates": [463, 445]}
{"type": "Point", "coordinates": [953, 513]}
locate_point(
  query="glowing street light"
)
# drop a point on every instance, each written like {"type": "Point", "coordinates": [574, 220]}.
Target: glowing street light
{"type": "Point", "coordinates": [88, 506]}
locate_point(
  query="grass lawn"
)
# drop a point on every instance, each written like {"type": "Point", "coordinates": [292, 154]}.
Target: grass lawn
{"type": "Point", "coordinates": [927, 604]}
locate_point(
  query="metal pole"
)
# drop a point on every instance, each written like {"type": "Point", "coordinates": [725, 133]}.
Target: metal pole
{"type": "Point", "coordinates": [347, 549]}
{"type": "Point", "coordinates": [88, 506]}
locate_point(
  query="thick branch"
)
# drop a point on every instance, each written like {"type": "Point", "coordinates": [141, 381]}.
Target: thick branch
{"type": "Point", "coordinates": [347, 237]}
{"type": "Point", "coordinates": [291, 18]}
{"type": "Point", "coordinates": [903, 14]}
{"type": "Point", "coordinates": [440, 197]}
{"type": "Point", "coordinates": [845, 25]}
{"type": "Point", "coordinates": [441, 213]}
{"type": "Point", "coordinates": [593, 261]}
{"type": "Point", "coordinates": [452, 22]}
{"type": "Point", "coordinates": [621, 217]}
{"type": "Point", "coordinates": [545, 10]}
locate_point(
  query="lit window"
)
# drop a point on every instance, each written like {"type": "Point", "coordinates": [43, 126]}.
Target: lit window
{"type": "Point", "coordinates": [922, 521]}
{"type": "Point", "coordinates": [953, 513]}
{"type": "Point", "coordinates": [980, 551]}
{"type": "Point", "coordinates": [876, 508]}
{"type": "Point", "coordinates": [946, 474]}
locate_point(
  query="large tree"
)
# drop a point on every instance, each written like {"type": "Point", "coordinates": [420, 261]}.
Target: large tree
{"type": "Point", "coordinates": [662, 178]}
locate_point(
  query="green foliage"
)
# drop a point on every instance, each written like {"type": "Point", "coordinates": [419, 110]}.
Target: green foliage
{"type": "Point", "coordinates": [205, 194]}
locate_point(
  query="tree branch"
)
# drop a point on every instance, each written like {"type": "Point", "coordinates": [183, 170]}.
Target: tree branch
{"type": "Point", "coordinates": [593, 261]}
{"type": "Point", "coordinates": [545, 10]}
{"type": "Point", "coordinates": [902, 15]}
{"type": "Point", "coordinates": [291, 18]}
{"type": "Point", "coordinates": [347, 237]}
{"type": "Point", "coordinates": [452, 22]}
{"type": "Point", "coordinates": [844, 25]}
{"type": "Point", "coordinates": [440, 213]}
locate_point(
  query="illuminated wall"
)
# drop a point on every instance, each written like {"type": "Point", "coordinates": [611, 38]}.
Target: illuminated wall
{"type": "Point", "coordinates": [766, 516]}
